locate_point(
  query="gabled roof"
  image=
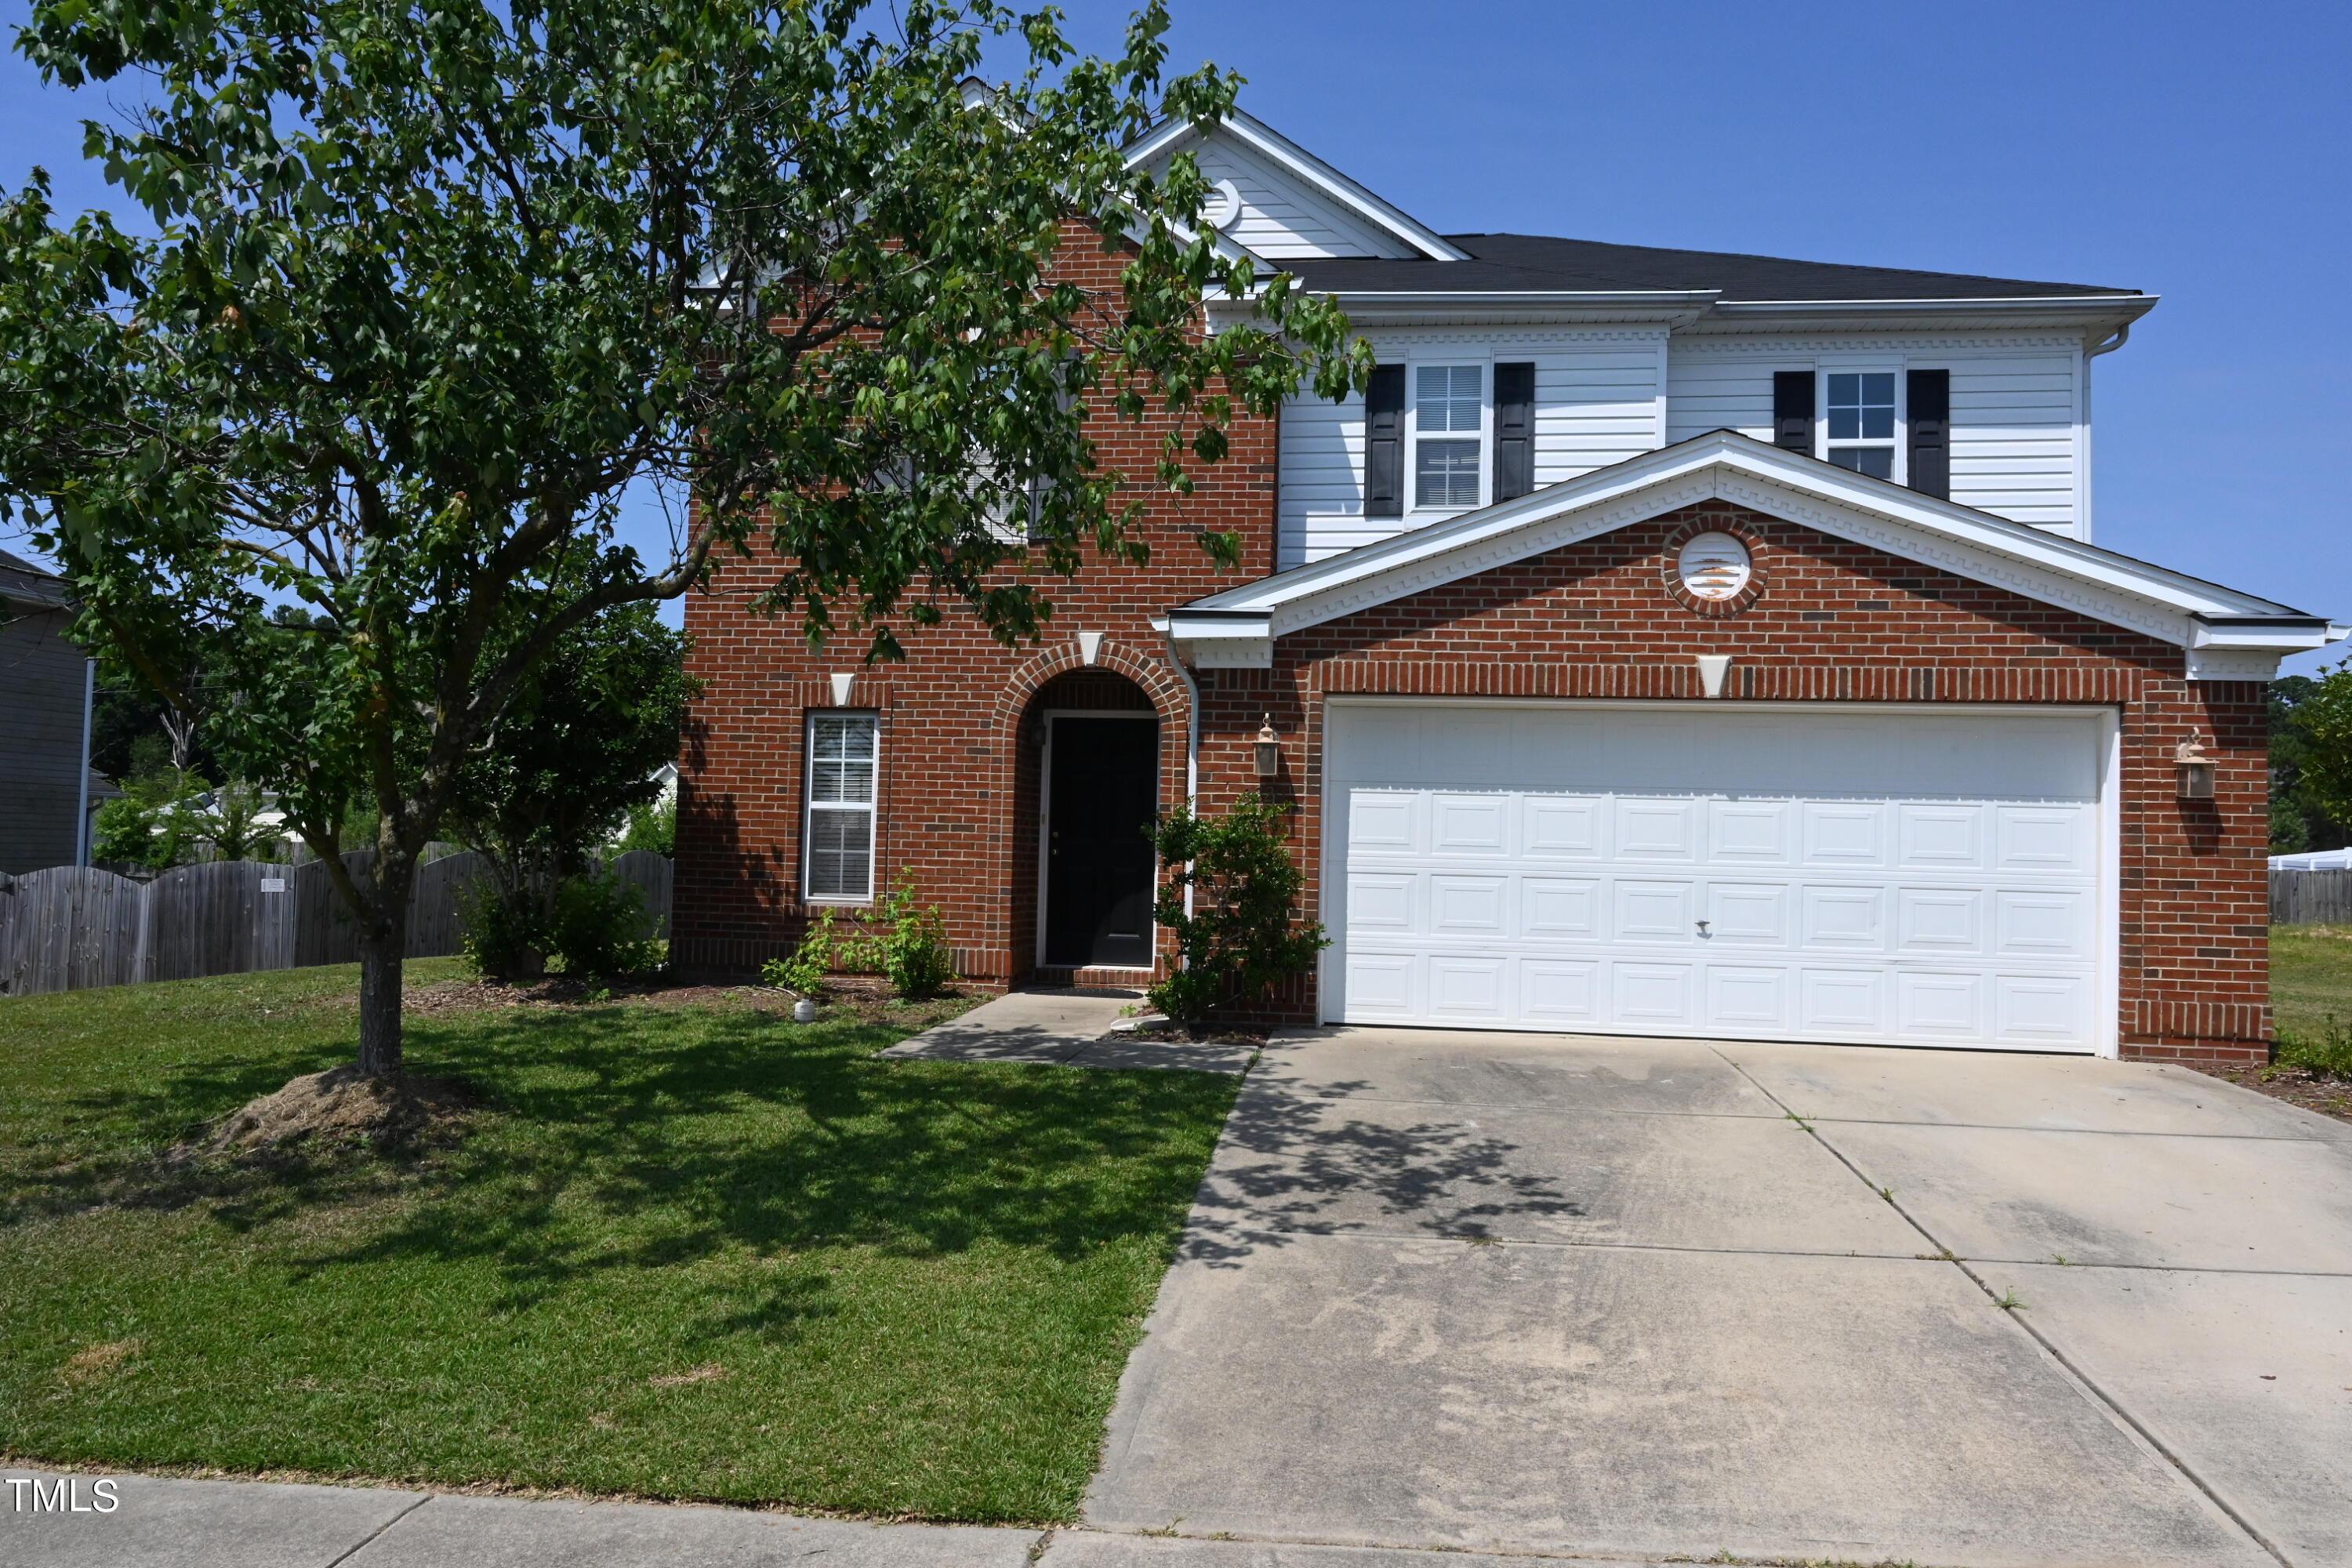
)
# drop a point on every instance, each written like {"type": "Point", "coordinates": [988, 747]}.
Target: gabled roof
{"type": "Point", "coordinates": [1526, 262]}
{"type": "Point", "coordinates": [2242, 634]}
{"type": "Point", "coordinates": [35, 587]}
{"type": "Point", "coordinates": [1410, 232]}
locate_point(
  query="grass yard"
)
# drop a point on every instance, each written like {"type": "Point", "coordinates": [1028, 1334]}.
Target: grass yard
{"type": "Point", "coordinates": [687, 1251]}
{"type": "Point", "coordinates": [2311, 992]}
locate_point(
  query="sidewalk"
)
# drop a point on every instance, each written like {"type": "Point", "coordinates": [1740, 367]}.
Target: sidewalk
{"type": "Point", "coordinates": [163, 1523]}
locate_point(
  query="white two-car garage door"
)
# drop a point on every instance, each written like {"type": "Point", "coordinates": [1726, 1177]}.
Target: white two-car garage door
{"type": "Point", "coordinates": [1907, 876]}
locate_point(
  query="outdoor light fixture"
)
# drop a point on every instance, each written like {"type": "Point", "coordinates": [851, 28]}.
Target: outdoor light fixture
{"type": "Point", "coordinates": [2195, 769]}
{"type": "Point", "coordinates": [1269, 750]}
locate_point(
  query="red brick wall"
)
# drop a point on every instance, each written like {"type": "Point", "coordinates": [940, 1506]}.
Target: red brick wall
{"type": "Point", "coordinates": [1835, 622]}
{"type": "Point", "coordinates": [958, 800]}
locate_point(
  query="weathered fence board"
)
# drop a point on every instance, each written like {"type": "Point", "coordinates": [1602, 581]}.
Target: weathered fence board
{"type": "Point", "coordinates": [223, 917]}
{"type": "Point", "coordinates": [650, 875]}
{"type": "Point", "coordinates": [2310, 898]}
{"type": "Point", "coordinates": [71, 928]}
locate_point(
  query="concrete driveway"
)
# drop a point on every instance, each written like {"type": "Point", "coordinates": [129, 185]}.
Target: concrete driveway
{"type": "Point", "coordinates": [1652, 1298]}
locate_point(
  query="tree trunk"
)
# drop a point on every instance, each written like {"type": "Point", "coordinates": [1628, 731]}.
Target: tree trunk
{"type": "Point", "coordinates": [380, 966]}
{"type": "Point", "coordinates": [384, 948]}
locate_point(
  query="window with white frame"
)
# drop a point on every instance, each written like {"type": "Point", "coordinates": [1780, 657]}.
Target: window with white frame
{"type": "Point", "coordinates": [1861, 421]}
{"type": "Point", "coordinates": [842, 756]}
{"type": "Point", "coordinates": [1448, 418]}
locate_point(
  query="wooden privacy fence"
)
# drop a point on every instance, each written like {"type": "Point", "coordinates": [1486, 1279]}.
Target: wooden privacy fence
{"type": "Point", "coordinates": [74, 927]}
{"type": "Point", "coordinates": [2311, 898]}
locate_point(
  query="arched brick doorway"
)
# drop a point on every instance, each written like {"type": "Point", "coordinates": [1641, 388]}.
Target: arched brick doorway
{"type": "Point", "coordinates": [1089, 787]}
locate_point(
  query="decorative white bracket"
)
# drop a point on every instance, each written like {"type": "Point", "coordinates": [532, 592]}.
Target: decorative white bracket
{"type": "Point", "coordinates": [1090, 646]}
{"type": "Point", "coordinates": [843, 685]}
{"type": "Point", "coordinates": [1712, 667]}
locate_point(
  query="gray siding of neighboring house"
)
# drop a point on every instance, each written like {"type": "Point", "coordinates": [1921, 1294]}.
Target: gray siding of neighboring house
{"type": "Point", "coordinates": [40, 723]}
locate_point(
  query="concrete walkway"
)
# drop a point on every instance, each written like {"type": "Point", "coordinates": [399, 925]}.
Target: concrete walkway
{"type": "Point", "coordinates": [1662, 1298]}
{"type": "Point", "coordinates": [1066, 1026]}
{"type": "Point", "coordinates": [160, 1523]}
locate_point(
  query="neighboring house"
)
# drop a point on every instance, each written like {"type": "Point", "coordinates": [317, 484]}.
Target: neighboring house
{"type": "Point", "coordinates": [41, 691]}
{"type": "Point", "coordinates": [1671, 643]}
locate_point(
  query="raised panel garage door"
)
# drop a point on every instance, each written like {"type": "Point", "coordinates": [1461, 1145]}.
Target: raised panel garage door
{"type": "Point", "coordinates": [1915, 877]}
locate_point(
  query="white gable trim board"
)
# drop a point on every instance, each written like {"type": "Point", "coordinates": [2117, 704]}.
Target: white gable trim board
{"type": "Point", "coordinates": [2035, 563]}
{"type": "Point", "coordinates": [1296, 202]}
{"type": "Point", "coordinates": [1836, 872]}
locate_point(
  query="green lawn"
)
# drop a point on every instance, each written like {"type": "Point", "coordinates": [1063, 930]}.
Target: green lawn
{"type": "Point", "coordinates": [2311, 991]}
{"type": "Point", "coordinates": [688, 1252]}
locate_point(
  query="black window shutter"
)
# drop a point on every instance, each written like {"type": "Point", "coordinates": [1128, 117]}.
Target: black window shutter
{"type": "Point", "coordinates": [1929, 399]}
{"type": "Point", "coordinates": [1515, 429]}
{"type": "Point", "coordinates": [1792, 409]}
{"type": "Point", "coordinates": [1384, 443]}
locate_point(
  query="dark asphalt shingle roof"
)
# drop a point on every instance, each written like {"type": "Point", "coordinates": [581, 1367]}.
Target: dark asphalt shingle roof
{"type": "Point", "coordinates": [1507, 262]}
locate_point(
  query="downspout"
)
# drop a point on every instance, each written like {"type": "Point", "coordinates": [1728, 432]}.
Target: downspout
{"type": "Point", "coordinates": [2121, 336]}
{"type": "Point", "coordinates": [1191, 737]}
{"type": "Point", "coordinates": [82, 843]}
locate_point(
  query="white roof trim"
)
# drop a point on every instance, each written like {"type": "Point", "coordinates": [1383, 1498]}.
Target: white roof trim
{"type": "Point", "coordinates": [1726, 466]}
{"type": "Point", "coordinates": [1306, 167]}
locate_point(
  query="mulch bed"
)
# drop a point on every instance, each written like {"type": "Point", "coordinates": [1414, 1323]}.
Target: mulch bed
{"type": "Point", "coordinates": [862, 996]}
{"type": "Point", "coordinates": [2324, 1092]}
{"type": "Point", "coordinates": [1253, 1035]}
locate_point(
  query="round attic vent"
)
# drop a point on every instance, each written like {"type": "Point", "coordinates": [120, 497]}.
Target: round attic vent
{"type": "Point", "coordinates": [1223, 206]}
{"type": "Point", "coordinates": [1714, 567]}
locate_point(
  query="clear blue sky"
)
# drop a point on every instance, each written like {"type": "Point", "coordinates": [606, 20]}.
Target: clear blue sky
{"type": "Point", "coordinates": [2196, 152]}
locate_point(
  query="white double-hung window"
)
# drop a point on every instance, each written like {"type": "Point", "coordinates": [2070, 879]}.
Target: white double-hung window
{"type": "Point", "coordinates": [1448, 420]}
{"type": "Point", "coordinates": [1861, 421]}
{"type": "Point", "coordinates": [843, 752]}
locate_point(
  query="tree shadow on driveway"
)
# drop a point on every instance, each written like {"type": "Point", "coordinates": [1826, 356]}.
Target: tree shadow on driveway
{"type": "Point", "coordinates": [1289, 1164]}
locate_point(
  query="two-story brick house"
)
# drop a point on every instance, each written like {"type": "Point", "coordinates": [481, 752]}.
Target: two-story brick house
{"type": "Point", "coordinates": [1667, 643]}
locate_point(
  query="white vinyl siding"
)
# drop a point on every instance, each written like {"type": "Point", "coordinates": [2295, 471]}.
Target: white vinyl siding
{"type": "Point", "coordinates": [843, 768]}
{"type": "Point", "coordinates": [1599, 400]}
{"type": "Point", "coordinates": [1282, 219]}
{"type": "Point", "coordinates": [2016, 411]}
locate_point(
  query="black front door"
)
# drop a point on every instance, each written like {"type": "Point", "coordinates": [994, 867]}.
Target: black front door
{"type": "Point", "coordinates": [1102, 795]}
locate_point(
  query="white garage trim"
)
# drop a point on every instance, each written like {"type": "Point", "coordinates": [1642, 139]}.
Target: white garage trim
{"type": "Point", "coordinates": [1866, 873]}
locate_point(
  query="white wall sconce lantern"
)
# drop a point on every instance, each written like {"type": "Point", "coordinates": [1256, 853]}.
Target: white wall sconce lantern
{"type": "Point", "coordinates": [2193, 768]}
{"type": "Point", "coordinates": [1268, 749]}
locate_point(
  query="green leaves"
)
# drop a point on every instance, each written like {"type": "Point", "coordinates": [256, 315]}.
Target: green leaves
{"type": "Point", "coordinates": [430, 286]}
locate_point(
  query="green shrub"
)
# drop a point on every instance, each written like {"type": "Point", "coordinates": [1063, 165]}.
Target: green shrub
{"type": "Point", "coordinates": [504, 929]}
{"type": "Point", "coordinates": [1243, 935]}
{"type": "Point", "coordinates": [912, 949]}
{"type": "Point", "coordinates": [2328, 1051]}
{"type": "Point", "coordinates": [598, 925]}
{"type": "Point", "coordinates": [802, 973]}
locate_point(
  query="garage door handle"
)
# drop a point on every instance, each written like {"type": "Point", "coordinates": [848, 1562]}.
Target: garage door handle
{"type": "Point", "coordinates": [1702, 927]}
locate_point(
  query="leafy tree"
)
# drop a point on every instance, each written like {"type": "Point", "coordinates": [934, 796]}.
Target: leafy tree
{"type": "Point", "coordinates": [653, 828]}
{"type": "Point", "coordinates": [2311, 761]}
{"type": "Point", "coordinates": [1241, 936]}
{"type": "Point", "coordinates": [568, 763]}
{"type": "Point", "coordinates": [577, 747]}
{"type": "Point", "coordinates": [433, 284]}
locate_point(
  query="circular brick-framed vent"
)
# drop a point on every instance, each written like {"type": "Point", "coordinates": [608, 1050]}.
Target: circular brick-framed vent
{"type": "Point", "coordinates": [1670, 570]}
